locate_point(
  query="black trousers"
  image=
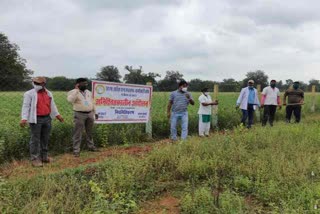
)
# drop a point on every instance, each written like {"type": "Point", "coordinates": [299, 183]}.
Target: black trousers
{"type": "Point", "coordinates": [268, 114]}
{"type": "Point", "coordinates": [296, 109]}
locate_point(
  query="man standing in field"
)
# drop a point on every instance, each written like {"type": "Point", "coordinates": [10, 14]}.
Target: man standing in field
{"type": "Point", "coordinates": [295, 100]}
{"type": "Point", "coordinates": [205, 112]}
{"type": "Point", "coordinates": [84, 115]}
{"type": "Point", "coordinates": [38, 109]}
{"type": "Point", "coordinates": [178, 110]}
{"type": "Point", "coordinates": [270, 99]}
{"type": "Point", "coordinates": [248, 101]}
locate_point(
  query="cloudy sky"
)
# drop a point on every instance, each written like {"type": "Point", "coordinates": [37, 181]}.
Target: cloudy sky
{"type": "Point", "coordinates": [206, 39]}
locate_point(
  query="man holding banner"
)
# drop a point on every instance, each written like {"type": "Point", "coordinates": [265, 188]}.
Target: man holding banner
{"type": "Point", "coordinates": [84, 115]}
{"type": "Point", "coordinates": [178, 110]}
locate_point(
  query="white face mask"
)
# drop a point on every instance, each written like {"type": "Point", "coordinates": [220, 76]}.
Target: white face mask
{"type": "Point", "coordinates": [184, 89]}
{"type": "Point", "coordinates": [37, 87]}
{"type": "Point", "coordinates": [206, 93]}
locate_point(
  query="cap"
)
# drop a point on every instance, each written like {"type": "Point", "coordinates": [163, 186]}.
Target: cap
{"type": "Point", "coordinates": [39, 79]}
{"type": "Point", "coordinates": [251, 81]}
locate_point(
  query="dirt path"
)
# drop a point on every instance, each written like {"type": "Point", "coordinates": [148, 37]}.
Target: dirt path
{"type": "Point", "coordinates": [23, 169]}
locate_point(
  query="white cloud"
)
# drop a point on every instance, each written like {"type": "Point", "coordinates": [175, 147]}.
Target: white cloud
{"type": "Point", "coordinates": [207, 39]}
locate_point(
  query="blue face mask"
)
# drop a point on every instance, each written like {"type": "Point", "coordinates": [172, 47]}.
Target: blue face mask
{"type": "Point", "coordinates": [250, 86]}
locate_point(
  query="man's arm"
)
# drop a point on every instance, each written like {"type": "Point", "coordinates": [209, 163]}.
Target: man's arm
{"type": "Point", "coordinates": [25, 109]}
{"type": "Point", "coordinates": [189, 97]}
{"type": "Point", "coordinates": [72, 95]}
{"type": "Point", "coordinates": [169, 108]}
{"type": "Point", "coordinates": [285, 98]}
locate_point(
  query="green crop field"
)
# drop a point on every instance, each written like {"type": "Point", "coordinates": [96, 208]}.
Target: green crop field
{"type": "Point", "coordinates": [261, 170]}
{"type": "Point", "coordinates": [14, 140]}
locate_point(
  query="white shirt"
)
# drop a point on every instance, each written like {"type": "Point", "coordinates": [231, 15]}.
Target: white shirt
{"type": "Point", "coordinates": [206, 110]}
{"type": "Point", "coordinates": [272, 95]}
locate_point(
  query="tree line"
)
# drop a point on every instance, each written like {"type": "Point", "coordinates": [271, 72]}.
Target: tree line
{"type": "Point", "coordinates": [15, 76]}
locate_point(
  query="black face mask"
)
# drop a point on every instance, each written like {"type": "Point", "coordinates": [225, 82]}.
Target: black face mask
{"type": "Point", "coordinates": [82, 87]}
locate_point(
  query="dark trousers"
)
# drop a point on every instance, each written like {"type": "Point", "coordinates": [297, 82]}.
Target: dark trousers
{"type": "Point", "coordinates": [268, 114]}
{"type": "Point", "coordinates": [296, 109]}
{"type": "Point", "coordinates": [248, 114]}
{"type": "Point", "coordinates": [39, 141]}
{"type": "Point", "coordinates": [82, 121]}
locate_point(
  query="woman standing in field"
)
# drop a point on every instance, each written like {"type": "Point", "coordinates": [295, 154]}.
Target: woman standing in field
{"type": "Point", "coordinates": [205, 112]}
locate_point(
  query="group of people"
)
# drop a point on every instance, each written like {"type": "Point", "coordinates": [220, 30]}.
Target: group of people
{"type": "Point", "coordinates": [248, 102]}
{"type": "Point", "coordinates": [39, 109]}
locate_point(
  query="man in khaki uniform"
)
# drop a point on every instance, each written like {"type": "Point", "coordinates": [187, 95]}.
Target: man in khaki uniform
{"type": "Point", "coordinates": [84, 115]}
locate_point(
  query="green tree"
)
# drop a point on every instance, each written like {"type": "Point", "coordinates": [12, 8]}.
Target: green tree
{"type": "Point", "coordinates": [60, 83]}
{"type": "Point", "coordinates": [13, 72]}
{"type": "Point", "coordinates": [229, 85]}
{"type": "Point", "coordinates": [109, 73]}
{"type": "Point", "coordinates": [258, 76]}
{"type": "Point", "coordinates": [170, 81]}
{"type": "Point", "coordinates": [314, 82]}
{"type": "Point", "coordinates": [136, 76]}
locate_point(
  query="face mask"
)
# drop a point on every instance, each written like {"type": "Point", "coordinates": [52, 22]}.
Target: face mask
{"type": "Point", "coordinates": [206, 93]}
{"type": "Point", "coordinates": [251, 86]}
{"type": "Point", "coordinates": [273, 85]}
{"type": "Point", "coordinates": [295, 86]}
{"type": "Point", "coordinates": [184, 89]}
{"type": "Point", "coordinates": [37, 87]}
{"type": "Point", "coordinates": [83, 87]}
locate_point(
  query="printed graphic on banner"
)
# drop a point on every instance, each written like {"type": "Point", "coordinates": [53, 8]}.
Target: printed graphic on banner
{"type": "Point", "coordinates": [121, 103]}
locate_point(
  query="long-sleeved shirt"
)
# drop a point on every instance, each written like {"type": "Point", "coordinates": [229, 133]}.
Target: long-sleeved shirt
{"type": "Point", "coordinates": [29, 106]}
{"type": "Point", "coordinates": [81, 101]}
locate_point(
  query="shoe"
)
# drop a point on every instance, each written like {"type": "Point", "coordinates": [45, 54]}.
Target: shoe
{"type": "Point", "coordinates": [76, 154]}
{"type": "Point", "coordinates": [94, 149]}
{"type": "Point", "coordinates": [37, 163]}
{"type": "Point", "coordinates": [47, 160]}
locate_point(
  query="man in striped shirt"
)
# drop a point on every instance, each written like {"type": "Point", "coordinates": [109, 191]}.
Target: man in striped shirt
{"type": "Point", "coordinates": [177, 110]}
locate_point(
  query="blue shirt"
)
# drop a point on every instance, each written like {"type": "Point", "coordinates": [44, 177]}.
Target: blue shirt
{"type": "Point", "coordinates": [179, 101]}
{"type": "Point", "coordinates": [251, 97]}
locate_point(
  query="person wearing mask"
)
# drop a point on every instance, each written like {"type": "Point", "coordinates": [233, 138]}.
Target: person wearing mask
{"type": "Point", "coordinates": [38, 109]}
{"type": "Point", "coordinates": [178, 110]}
{"type": "Point", "coordinates": [248, 101]}
{"type": "Point", "coordinates": [204, 112]}
{"type": "Point", "coordinates": [270, 99]}
{"type": "Point", "coordinates": [295, 100]}
{"type": "Point", "coordinates": [84, 115]}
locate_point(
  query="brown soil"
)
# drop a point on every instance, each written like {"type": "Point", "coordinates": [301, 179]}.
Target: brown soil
{"type": "Point", "coordinates": [167, 204]}
{"type": "Point", "coordinates": [23, 169]}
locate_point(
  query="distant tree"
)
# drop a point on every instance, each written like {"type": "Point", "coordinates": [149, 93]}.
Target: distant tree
{"type": "Point", "coordinates": [229, 85]}
{"type": "Point", "coordinates": [314, 82]}
{"type": "Point", "coordinates": [288, 84]}
{"type": "Point", "coordinates": [280, 85]}
{"type": "Point", "coordinates": [170, 81]}
{"type": "Point", "coordinates": [195, 85]}
{"type": "Point", "coordinates": [258, 76]}
{"type": "Point", "coordinates": [13, 72]}
{"type": "Point", "coordinates": [109, 73]}
{"type": "Point", "coordinates": [60, 83]}
{"type": "Point", "coordinates": [136, 76]}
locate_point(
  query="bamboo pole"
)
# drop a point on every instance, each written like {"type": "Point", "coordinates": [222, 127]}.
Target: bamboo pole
{"type": "Point", "coordinates": [214, 121]}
